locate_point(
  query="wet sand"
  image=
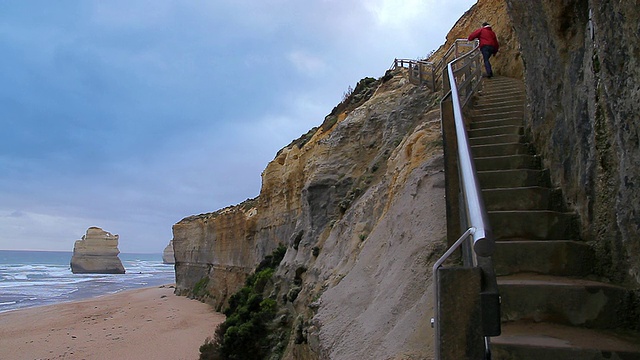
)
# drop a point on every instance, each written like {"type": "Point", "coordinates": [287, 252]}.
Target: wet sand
{"type": "Point", "coordinates": [142, 324]}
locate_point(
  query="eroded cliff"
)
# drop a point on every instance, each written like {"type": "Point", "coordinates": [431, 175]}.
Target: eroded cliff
{"type": "Point", "coordinates": [583, 86]}
{"type": "Point", "coordinates": [358, 202]}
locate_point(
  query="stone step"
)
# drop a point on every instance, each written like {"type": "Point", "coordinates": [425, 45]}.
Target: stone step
{"type": "Point", "coordinates": [523, 198]}
{"type": "Point", "coordinates": [502, 87]}
{"type": "Point", "coordinates": [502, 80]}
{"type": "Point", "coordinates": [498, 130]}
{"type": "Point", "coordinates": [535, 341]}
{"type": "Point", "coordinates": [503, 106]}
{"type": "Point", "coordinates": [492, 150]}
{"type": "Point", "coordinates": [506, 102]}
{"type": "Point", "coordinates": [507, 162]}
{"type": "Point", "coordinates": [498, 85]}
{"type": "Point", "coordinates": [552, 257]}
{"type": "Point", "coordinates": [495, 122]}
{"type": "Point", "coordinates": [497, 139]}
{"type": "Point", "coordinates": [499, 79]}
{"type": "Point", "coordinates": [513, 178]}
{"type": "Point", "coordinates": [499, 102]}
{"type": "Point", "coordinates": [495, 115]}
{"type": "Point", "coordinates": [562, 300]}
{"type": "Point", "coordinates": [486, 95]}
{"type": "Point", "coordinates": [507, 93]}
{"type": "Point", "coordinates": [489, 101]}
{"type": "Point", "coordinates": [533, 225]}
{"type": "Point", "coordinates": [537, 255]}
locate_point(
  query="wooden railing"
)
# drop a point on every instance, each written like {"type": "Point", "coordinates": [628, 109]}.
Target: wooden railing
{"type": "Point", "coordinates": [458, 49]}
{"type": "Point", "coordinates": [422, 72]}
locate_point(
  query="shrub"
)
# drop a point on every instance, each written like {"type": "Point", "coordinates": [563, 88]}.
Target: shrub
{"type": "Point", "coordinates": [328, 122]}
{"type": "Point", "coordinates": [200, 288]}
{"type": "Point", "coordinates": [244, 334]}
{"type": "Point", "coordinates": [261, 279]}
{"type": "Point", "coordinates": [292, 295]}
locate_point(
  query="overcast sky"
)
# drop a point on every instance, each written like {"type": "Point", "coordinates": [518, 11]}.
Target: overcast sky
{"type": "Point", "coordinates": [131, 115]}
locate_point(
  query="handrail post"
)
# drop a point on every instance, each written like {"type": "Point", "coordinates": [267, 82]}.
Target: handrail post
{"type": "Point", "coordinates": [433, 77]}
{"type": "Point", "coordinates": [460, 307]}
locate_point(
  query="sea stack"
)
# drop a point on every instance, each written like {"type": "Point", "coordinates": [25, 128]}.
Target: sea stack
{"type": "Point", "coordinates": [96, 253]}
{"type": "Point", "coordinates": [167, 255]}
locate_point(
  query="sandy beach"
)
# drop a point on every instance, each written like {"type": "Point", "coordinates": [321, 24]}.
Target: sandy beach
{"type": "Point", "coordinates": [142, 324]}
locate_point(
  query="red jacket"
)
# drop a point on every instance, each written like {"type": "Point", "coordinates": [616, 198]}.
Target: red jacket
{"type": "Point", "coordinates": [486, 37]}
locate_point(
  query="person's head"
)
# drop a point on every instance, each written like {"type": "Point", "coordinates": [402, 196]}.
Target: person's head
{"type": "Point", "coordinates": [485, 24]}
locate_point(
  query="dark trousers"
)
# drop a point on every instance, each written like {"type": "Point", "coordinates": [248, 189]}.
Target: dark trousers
{"type": "Point", "coordinates": [487, 51]}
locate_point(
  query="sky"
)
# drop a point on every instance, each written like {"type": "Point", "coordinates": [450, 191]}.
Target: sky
{"type": "Point", "coordinates": [131, 115]}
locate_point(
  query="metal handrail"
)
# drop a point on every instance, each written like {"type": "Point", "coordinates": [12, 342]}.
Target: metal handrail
{"type": "Point", "coordinates": [464, 77]}
{"type": "Point", "coordinates": [470, 231]}
{"type": "Point", "coordinates": [453, 53]}
{"type": "Point", "coordinates": [483, 242]}
{"type": "Point", "coordinates": [482, 239]}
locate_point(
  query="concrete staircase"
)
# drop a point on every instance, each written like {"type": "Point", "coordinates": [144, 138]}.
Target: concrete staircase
{"type": "Point", "coordinates": [551, 306]}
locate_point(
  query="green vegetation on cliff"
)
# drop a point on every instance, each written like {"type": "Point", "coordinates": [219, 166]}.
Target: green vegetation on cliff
{"type": "Point", "coordinates": [244, 334]}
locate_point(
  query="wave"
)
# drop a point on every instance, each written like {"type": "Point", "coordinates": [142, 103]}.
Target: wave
{"type": "Point", "coordinates": [48, 279]}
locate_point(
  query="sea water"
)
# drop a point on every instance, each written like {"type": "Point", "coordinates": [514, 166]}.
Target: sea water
{"type": "Point", "coordinates": [35, 278]}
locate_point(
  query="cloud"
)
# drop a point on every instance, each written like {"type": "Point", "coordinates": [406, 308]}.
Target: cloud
{"type": "Point", "coordinates": [306, 63]}
{"type": "Point", "coordinates": [16, 214]}
{"type": "Point", "coordinates": [39, 231]}
{"type": "Point", "coordinates": [397, 13]}
{"type": "Point", "coordinates": [133, 115]}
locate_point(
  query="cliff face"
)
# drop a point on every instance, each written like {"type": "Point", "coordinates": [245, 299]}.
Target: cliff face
{"type": "Point", "coordinates": [220, 246]}
{"type": "Point", "coordinates": [359, 204]}
{"type": "Point", "coordinates": [583, 83]}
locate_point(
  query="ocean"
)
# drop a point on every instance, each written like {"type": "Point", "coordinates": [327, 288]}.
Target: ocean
{"type": "Point", "coordinates": [36, 278]}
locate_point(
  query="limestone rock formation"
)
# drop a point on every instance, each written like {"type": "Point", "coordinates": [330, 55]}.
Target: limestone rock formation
{"type": "Point", "coordinates": [357, 201]}
{"type": "Point", "coordinates": [167, 255]}
{"type": "Point", "coordinates": [582, 74]}
{"type": "Point", "coordinates": [96, 253]}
